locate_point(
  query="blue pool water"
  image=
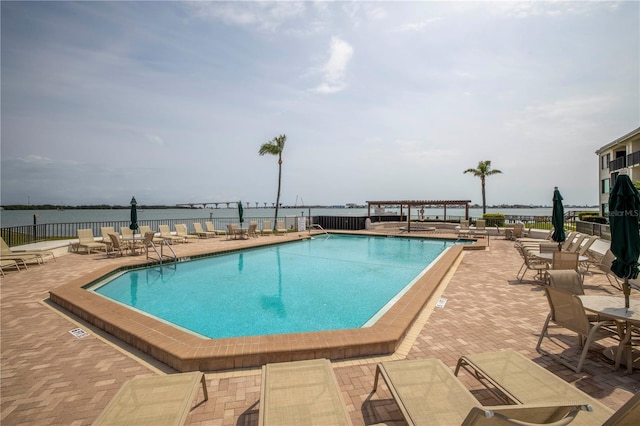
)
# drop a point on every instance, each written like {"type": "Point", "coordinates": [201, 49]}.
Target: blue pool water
{"type": "Point", "coordinates": [325, 283]}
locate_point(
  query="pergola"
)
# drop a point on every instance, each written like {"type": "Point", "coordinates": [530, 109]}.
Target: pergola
{"type": "Point", "coordinates": [421, 203]}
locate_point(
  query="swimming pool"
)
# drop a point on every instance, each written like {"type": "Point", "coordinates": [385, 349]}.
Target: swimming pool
{"type": "Point", "coordinates": [325, 283]}
{"type": "Point", "coordinates": [187, 351]}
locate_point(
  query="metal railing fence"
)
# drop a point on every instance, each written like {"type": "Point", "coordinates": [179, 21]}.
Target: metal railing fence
{"type": "Point", "coordinates": [19, 235]}
{"type": "Point", "coordinates": [27, 234]}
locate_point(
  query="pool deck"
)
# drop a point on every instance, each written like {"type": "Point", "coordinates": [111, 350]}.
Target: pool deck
{"type": "Point", "coordinates": [51, 377]}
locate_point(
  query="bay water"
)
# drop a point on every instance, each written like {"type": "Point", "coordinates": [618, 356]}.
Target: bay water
{"type": "Point", "coordinates": [10, 218]}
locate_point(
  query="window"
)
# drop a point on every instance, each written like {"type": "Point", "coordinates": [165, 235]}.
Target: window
{"type": "Point", "coordinates": [605, 159]}
{"type": "Point", "coordinates": [606, 187]}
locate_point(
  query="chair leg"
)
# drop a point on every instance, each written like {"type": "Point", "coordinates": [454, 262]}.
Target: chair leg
{"type": "Point", "coordinates": [542, 334]}
{"type": "Point", "coordinates": [520, 278]}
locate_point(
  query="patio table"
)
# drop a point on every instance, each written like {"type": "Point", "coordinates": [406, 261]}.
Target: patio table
{"type": "Point", "coordinates": [613, 307]}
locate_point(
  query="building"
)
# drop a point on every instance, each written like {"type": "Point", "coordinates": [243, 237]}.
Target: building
{"type": "Point", "coordinates": [622, 153]}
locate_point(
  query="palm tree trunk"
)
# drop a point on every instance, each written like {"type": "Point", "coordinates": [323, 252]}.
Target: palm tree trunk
{"type": "Point", "coordinates": [484, 199]}
{"type": "Point", "coordinates": [275, 219]}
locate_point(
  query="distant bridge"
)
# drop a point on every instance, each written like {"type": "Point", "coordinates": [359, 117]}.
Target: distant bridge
{"type": "Point", "coordinates": [218, 203]}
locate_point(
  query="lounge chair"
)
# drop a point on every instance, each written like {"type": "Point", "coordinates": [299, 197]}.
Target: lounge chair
{"type": "Point", "coordinates": [146, 228]}
{"type": "Point", "coordinates": [463, 231]}
{"type": "Point", "coordinates": [166, 234]}
{"type": "Point", "coordinates": [231, 231]}
{"type": "Point", "coordinates": [88, 242]}
{"type": "Point", "coordinates": [181, 231]}
{"type": "Point", "coordinates": [127, 232]}
{"type": "Point", "coordinates": [428, 393]}
{"type": "Point", "coordinates": [129, 239]}
{"type": "Point", "coordinates": [21, 255]}
{"type": "Point", "coordinates": [8, 263]}
{"type": "Point", "coordinates": [158, 400]}
{"type": "Point", "coordinates": [280, 227]}
{"type": "Point", "coordinates": [571, 236]}
{"type": "Point", "coordinates": [577, 243]}
{"type": "Point", "coordinates": [200, 232]}
{"type": "Point", "coordinates": [480, 229]}
{"type": "Point", "coordinates": [516, 379]}
{"type": "Point", "coordinates": [301, 393]}
{"type": "Point", "coordinates": [267, 229]}
{"type": "Point", "coordinates": [566, 311]}
{"type": "Point", "coordinates": [211, 228]}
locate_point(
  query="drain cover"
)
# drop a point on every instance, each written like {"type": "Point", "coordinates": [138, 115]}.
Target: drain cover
{"type": "Point", "coordinates": [79, 333]}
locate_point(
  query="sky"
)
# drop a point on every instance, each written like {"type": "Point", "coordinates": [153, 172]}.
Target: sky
{"type": "Point", "coordinates": [170, 101]}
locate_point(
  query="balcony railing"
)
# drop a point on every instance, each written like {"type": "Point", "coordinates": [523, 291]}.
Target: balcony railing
{"type": "Point", "coordinates": [633, 159]}
{"type": "Point", "coordinates": [617, 164]}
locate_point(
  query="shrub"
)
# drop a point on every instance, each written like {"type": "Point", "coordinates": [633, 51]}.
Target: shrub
{"type": "Point", "coordinates": [594, 219]}
{"type": "Point", "coordinates": [493, 219]}
{"type": "Point", "coordinates": [582, 215]}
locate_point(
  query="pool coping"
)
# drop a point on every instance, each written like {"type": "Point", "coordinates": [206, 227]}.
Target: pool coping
{"type": "Point", "coordinates": [185, 351]}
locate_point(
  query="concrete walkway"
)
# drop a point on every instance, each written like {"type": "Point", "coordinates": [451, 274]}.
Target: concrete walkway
{"type": "Point", "coordinates": [50, 377]}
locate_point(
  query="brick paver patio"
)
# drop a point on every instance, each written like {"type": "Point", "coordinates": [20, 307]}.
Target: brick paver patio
{"type": "Point", "coordinates": [50, 377]}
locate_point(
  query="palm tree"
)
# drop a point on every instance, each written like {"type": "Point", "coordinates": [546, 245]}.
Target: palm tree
{"type": "Point", "coordinates": [483, 170]}
{"type": "Point", "coordinates": [275, 147]}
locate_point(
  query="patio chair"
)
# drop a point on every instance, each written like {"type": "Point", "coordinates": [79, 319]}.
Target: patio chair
{"type": "Point", "coordinates": [211, 228]}
{"type": "Point", "coordinates": [427, 393]}
{"type": "Point", "coordinates": [267, 229]}
{"type": "Point", "coordinates": [518, 231]}
{"type": "Point", "coordinates": [566, 280]}
{"type": "Point", "coordinates": [251, 231]}
{"type": "Point", "coordinates": [116, 247]}
{"type": "Point", "coordinates": [88, 242]}
{"type": "Point", "coordinates": [200, 232]}
{"type": "Point", "coordinates": [158, 400]}
{"type": "Point", "coordinates": [530, 262]}
{"type": "Point", "coordinates": [567, 312]}
{"type": "Point", "coordinates": [166, 234]}
{"type": "Point", "coordinates": [105, 231]}
{"type": "Point", "coordinates": [181, 231]}
{"type": "Point", "coordinates": [281, 228]}
{"type": "Point", "coordinates": [564, 260]}
{"type": "Point", "coordinates": [7, 253]}
{"type": "Point", "coordinates": [301, 393]}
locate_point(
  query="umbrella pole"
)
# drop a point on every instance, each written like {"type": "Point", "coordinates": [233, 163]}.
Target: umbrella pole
{"type": "Point", "coordinates": [626, 290]}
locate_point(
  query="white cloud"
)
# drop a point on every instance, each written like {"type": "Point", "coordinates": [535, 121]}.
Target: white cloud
{"type": "Point", "coordinates": [268, 16]}
{"type": "Point", "coordinates": [419, 26]}
{"type": "Point", "coordinates": [340, 53]}
{"type": "Point", "coordinates": [154, 139]}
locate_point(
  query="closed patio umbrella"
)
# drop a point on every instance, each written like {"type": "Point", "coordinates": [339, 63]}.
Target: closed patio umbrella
{"type": "Point", "coordinates": [624, 204]}
{"type": "Point", "coordinates": [134, 215]}
{"type": "Point", "coordinates": [240, 212]}
{"type": "Point", "coordinates": [557, 218]}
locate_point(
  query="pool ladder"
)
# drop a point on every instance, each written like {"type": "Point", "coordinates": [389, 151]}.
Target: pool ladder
{"type": "Point", "coordinates": [161, 254]}
{"type": "Point", "coordinates": [315, 225]}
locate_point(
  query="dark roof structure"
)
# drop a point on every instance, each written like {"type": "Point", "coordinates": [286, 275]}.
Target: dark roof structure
{"type": "Point", "coordinates": [414, 203]}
